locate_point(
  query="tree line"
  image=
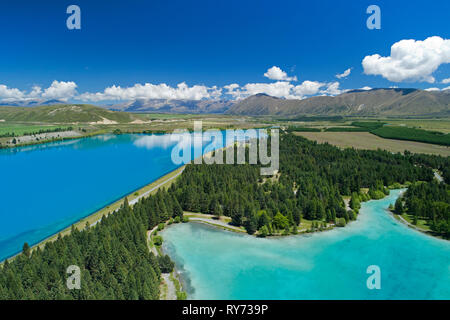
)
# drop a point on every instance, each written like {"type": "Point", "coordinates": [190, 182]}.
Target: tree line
{"type": "Point", "coordinates": [429, 201]}
{"type": "Point", "coordinates": [312, 180]}
{"type": "Point", "coordinates": [113, 256]}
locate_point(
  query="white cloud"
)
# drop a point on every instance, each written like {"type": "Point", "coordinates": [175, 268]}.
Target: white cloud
{"type": "Point", "coordinates": [308, 88]}
{"type": "Point", "coordinates": [10, 94]}
{"type": "Point", "coordinates": [281, 89]}
{"type": "Point", "coordinates": [345, 74]}
{"type": "Point", "coordinates": [410, 60]}
{"type": "Point", "coordinates": [448, 88]}
{"type": "Point", "coordinates": [275, 73]}
{"type": "Point", "coordinates": [65, 91]}
{"type": "Point", "coordinates": [58, 90]}
{"type": "Point", "coordinates": [332, 89]}
{"type": "Point", "coordinates": [445, 81]}
{"type": "Point", "coordinates": [35, 92]}
{"type": "Point", "coordinates": [233, 90]}
{"type": "Point", "coordinates": [433, 89]}
{"type": "Point", "coordinates": [154, 91]}
{"type": "Point", "coordinates": [367, 88]}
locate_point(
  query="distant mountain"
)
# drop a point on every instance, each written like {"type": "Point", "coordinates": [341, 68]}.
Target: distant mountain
{"type": "Point", "coordinates": [66, 113]}
{"type": "Point", "coordinates": [174, 106]}
{"type": "Point", "coordinates": [375, 102]}
{"type": "Point", "coordinates": [32, 103]}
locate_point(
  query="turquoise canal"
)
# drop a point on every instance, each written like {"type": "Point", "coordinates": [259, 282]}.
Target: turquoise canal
{"type": "Point", "coordinates": [217, 264]}
{"type": "Point", "coordinates": [46, 188]}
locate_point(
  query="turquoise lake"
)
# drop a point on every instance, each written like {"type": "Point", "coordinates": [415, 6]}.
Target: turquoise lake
{"type": "Point", "coordinates": [217, 264]}
{"type": "Point", "coordinates": [46, 188]}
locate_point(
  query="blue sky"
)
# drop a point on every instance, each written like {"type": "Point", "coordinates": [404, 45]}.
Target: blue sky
{"type": "Point", "coordinates": [211, 44]}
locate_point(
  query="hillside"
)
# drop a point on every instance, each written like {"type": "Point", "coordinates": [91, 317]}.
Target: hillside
{"type": "Point", "coordinates": [63, 114]}
{"type": "Point", "coordinates": [375, 102]}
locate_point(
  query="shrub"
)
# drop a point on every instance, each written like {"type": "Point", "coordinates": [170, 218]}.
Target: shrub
{"type": "Point", "coordinates": [263, 232]}
{"type": "Point", "coordinates": [165, 264]}
{"type": "Point", "coordinates": [340, 222]}
{"type": "Point", "coordinates": [157, 240]}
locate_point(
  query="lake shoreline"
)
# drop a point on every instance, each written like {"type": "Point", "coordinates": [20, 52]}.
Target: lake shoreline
{"type": "Point", "coordinates": [175, 247]}
{"type": "Point", "coordinates": [212, 221]}
{"type": "Point", "coordinates": [184, 279]}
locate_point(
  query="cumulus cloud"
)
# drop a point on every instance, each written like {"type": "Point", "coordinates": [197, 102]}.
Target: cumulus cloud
{"type": "Point", "coordinates": [154, 91]}
{"type": "Point", "coordinates": [284, 89]}
{"type": "Point", "coordinates": [366, 88]}
{"type": "Point", "coordinates": [345, 74]}
{"type": "Point", "coordinates": [10, 94]}
{"type": "Point", "coordinates": [277, 89]}
{"type": "Point", "coordinates": [234, 91]}
{"type": "Point", "coordinates": [410, 60]}
{"type": "Point", "coordinates": [437, 89]}
{"type": "Point", "coordinates": [308, 88]}
{"type": "Point", "coordinates": [445, 81]}
{"type": "Point", "coordinates": [58, 90]}
{"type": "Point", "coordinates": [275, 73]}
{"type": "Point", "coordinates": [65, 91]}
{"type": "Point", "coordinates": [332, 89]}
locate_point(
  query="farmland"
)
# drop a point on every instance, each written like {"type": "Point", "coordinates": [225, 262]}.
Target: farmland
{"type": "Point", "coordinates": [412, 134]}
{"type": "Point", "coordinates": [366, 140]}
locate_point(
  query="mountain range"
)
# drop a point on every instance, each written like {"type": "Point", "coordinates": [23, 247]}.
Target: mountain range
{"type": "Point", "coordinates": [384, 102]}
{"type": "Point", "coordinates": [174, 106]}
{"type": "Point", "coordinates": [375, 102]}
{"type": "Point", "coordinates": [32, 103]}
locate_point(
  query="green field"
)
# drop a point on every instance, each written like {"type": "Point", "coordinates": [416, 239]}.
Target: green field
{"type": "Point", "coordinates": [346, 129]}
{"type": "Point", "coordinates": [303, 129]}
{"type": "Point", "coordinates": [441, 125]}
{"type": "Point", "coordinates": [369, 125]}
{"type": "Point", "coordinates": [366, 140]}
{"type": "Point", "coordinates": [412, 134]}
{"type": "Point", "coordinates": [17, 129]}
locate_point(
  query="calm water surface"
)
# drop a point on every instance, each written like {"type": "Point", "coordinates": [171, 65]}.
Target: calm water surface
{"type": "Point", "coordinates": [45, 188]}
{"type": "Point", "coordinates": [216, 264]}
